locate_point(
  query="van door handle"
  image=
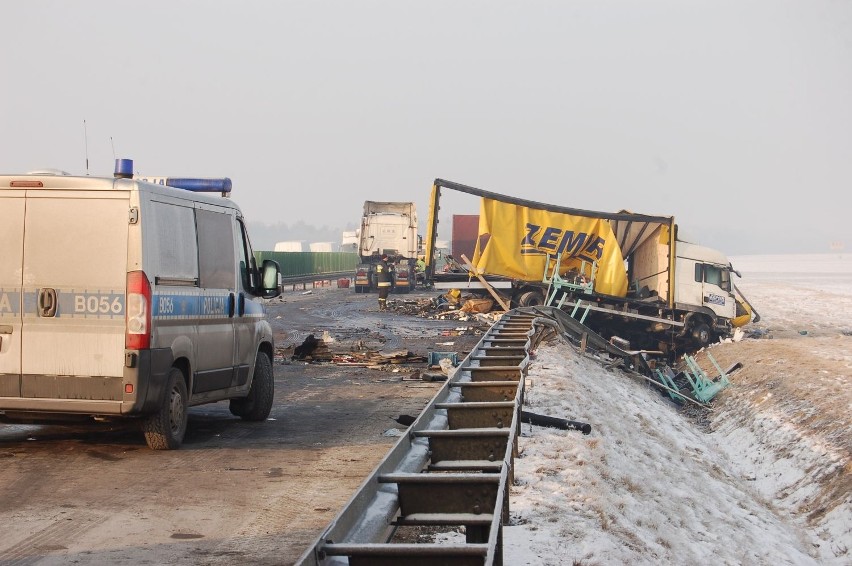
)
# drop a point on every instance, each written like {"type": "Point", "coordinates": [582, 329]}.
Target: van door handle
{"type": "Point", "coordinates": [231, 305]}
{"type": "Point", "coordinates": [47, 302]}
{"type": "Point", "coordinates": [241, 305]}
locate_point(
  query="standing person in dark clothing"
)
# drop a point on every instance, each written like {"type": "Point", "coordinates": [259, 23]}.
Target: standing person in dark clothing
{"type": "Point", "coordinates": [384, 274]}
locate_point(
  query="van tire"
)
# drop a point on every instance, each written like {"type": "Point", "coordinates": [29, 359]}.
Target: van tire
{"type": "Point", "coordinates": [165, 429]}
{"type": "Point", "coordinates": [258, 404]}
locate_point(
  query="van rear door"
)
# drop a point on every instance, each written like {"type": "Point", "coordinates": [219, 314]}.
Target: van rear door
{"type": "Point", "coordinates": [11, 278]}
{"type": "Point", "coordinates": [214, 364]}
{"type": "Point", "coordinates": [74, 281]}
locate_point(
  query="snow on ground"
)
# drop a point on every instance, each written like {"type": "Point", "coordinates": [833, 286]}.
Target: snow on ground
{"type": "Point", "coordinates": [765, 478]}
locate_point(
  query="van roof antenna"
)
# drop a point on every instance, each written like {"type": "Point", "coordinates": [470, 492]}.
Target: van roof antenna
{"type": "Point", "coordinates": [86, 142]}
{"type": "Point", "coordinates": [113, 148]}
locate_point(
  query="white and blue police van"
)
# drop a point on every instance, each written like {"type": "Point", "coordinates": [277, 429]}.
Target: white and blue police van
{"type": "Point", "coordinates": [130, 297]}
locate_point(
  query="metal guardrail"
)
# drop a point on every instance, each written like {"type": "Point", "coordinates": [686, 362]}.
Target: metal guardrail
{"type": "Point", "coordinates": [452, 468]}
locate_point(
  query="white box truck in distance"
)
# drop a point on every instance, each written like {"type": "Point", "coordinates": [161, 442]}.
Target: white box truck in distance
{"type": "Point", "coordinates": [387, 228]}
{"type": "Point", "coordinates": [128, 297]}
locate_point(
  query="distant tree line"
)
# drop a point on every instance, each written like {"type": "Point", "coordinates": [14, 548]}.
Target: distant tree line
{"type": "Point", "coordinates": [264, 236]}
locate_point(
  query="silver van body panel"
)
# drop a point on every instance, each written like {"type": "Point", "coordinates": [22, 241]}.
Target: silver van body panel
{"type": "Point", "coordinates": [68, 246]}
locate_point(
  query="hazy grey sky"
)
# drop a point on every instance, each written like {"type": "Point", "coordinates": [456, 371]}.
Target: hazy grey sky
{"type": "Point", "coordinates": [734, 116]}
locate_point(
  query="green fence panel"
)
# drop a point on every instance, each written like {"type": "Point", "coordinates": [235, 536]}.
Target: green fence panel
{"type": "Point", "coordinates": [305, 264]}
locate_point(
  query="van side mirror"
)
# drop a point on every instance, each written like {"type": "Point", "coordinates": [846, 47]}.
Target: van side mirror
{"type": "Point", "coordinates": [270, 286]}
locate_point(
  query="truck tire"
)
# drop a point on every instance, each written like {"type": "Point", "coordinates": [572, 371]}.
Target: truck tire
{"type": "Point", "coordinates": [702, 334]}
{"type": "Point", "coordinates": [165, 429]}
{"type": "Point", "coordinates": [530, 299]}
{"type": "Point", "coordinates": [257, 405]}
{"type": "Point", "coordinates": [359, 288]}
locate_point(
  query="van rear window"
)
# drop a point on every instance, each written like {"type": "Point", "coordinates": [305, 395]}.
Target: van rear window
{"type": "Point", "coordinates": [175, 254]}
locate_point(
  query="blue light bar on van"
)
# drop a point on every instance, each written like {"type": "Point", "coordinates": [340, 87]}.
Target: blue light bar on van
{"type": "Point", "coordinates": [124, 170]}
{"type": "Point", "coordinates": [222, 185]}
{"type": "Point", "coordinates": [195, 185]}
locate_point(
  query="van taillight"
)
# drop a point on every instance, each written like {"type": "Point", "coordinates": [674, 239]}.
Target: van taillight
{"type": "Point", "coordinates": [138, 327]}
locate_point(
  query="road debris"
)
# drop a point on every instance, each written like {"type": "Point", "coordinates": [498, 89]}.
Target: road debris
{"type": "Point", "coordinates": [465, 308]}
{"type": "Point", "coordinates": [314, 350]}
{"type": "Point", "coordinates": [307, 348]}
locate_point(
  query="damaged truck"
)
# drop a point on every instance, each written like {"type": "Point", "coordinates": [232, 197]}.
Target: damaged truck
{"type": "Point", "coordinates": [627, 276]}
{"type": "Point", "coordinates": [387, 228]}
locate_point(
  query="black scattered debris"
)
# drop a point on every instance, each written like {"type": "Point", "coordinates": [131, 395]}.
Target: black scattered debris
{"type": "Point", "coordinates": [758, 333]}
{"type": "Point", "coordinates": [699, 415]}
{"type": "Point", "coordinates": [554, 422]}
{"type": "Point", "coordinates": [734, 367]}
{"type": "Point", "coordinates": [405, 420]}
{"type": "Point", "coordinates": [307, 348]}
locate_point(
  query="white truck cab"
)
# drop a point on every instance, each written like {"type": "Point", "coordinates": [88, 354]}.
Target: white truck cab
{"type": "Point", "coordinates": [387, 228]}
{"type": "Point", "coordinates": [129, 297]}
{"type": "Point", "coordinates": [703, 287]}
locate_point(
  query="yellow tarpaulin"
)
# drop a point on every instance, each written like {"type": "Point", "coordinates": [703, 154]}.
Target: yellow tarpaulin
{"type": "Point", "coordinates": [514, 242]}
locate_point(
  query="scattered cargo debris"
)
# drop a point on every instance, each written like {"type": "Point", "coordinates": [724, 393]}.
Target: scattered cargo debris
{"type": "Point", "coordinates": [468, 308]}
{"type": "Point", "coordinates": [554, 422]}
{"type": "Point", "coordinates": [307, 348]}
{"type": "Point", "coordinates": [373, 359]}
{"type": "Point", "coordinates": [405, 420]}
{"type": "Point", "coordinates": [690, 385]}
{"type": "Point", "coordinates": [693, 380]}
{"type": "Point", "coordinates": [433, 376]}
{"type": "Point", "coordinates": [434, 358]}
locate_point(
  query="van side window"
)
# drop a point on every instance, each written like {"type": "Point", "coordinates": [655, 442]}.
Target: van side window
{"type": "Point", "coordinates": [248, 267]}
{"type": "Point", "coordinates": [215, 250]}
{"type": "Point", "coordinates": [174, 252]}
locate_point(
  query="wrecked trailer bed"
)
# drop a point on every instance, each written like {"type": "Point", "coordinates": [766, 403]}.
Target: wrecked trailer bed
{"type": "Point", "coordinates": [464, 280]}
{"type": "Point", "coordinates": [606, 263]}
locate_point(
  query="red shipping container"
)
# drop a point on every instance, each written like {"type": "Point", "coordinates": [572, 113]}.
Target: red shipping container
{"type": "Point", "coordinates": [465, 232]}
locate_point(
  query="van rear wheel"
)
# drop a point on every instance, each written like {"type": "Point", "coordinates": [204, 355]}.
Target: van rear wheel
{"type": "Point", "coordinates": [165, 429]}
{"type": "Point", "coordinates": [258, 404]}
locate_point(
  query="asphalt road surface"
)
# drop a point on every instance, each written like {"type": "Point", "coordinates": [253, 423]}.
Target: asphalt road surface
{"type": "Point", "coordinates": [236, 492]}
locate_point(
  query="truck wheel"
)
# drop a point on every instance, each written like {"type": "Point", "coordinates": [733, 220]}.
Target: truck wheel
{"type": "Point", "coordinates": [164, 430]}
{"type": "Point", "coordinates": [359, 289]}
{"type": "Point", "coordinates": [702, 334]}
{"type": "Point", "coordinates": [530, 299]}
{"type": "Point", "coordinates": [258, 404]}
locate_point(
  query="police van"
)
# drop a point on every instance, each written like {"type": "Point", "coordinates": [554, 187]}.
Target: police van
{"type": "Point", "coordinates": [130, 297]}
